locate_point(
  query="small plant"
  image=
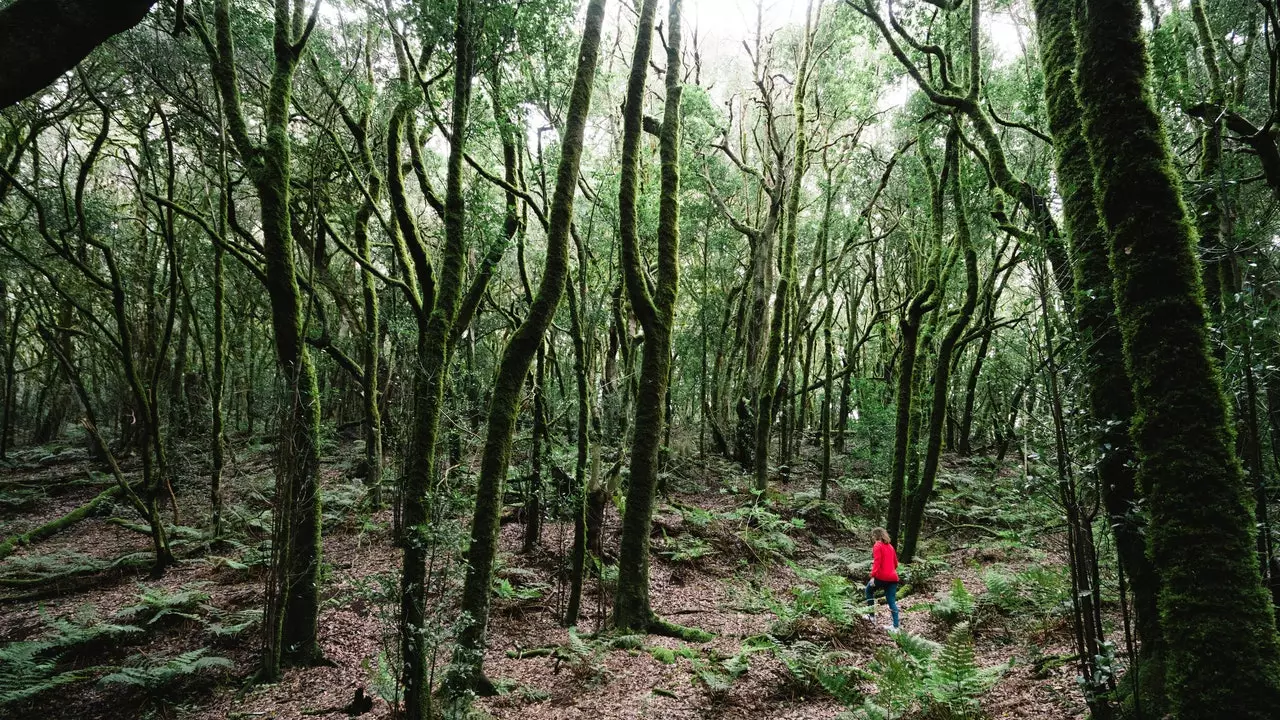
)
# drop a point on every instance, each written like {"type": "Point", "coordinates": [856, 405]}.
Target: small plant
{"type": "Point", "coordinates": [919, 678]}
{"type": "Point", "coordinates": [504, 590]}
{"type": "Point", "coordinates": [231, 625]}
{"type": "Point", "coordinates": [1036, 591]}
{"type": "Point", "coordinates": [33, 667]}
{"type": "Point", "coordinates": [922, 571]}
{"type": "Point", "coordinates": [156, 604]}
{"type": "Point", "coordinates": [763, 530]}
{"type": "Point", "coordinates": [955, 606]}
{"type": "Point", "coordinates": [813, 669]}
{"type": "Point", "coordinates": [585, 658]}
{"type": "Point", "coordinates": [156, 676]}
{"type": "Point", "coordinates": [718, 675]}
{"type": "Point", "coordinates": [687, 549]}
{"type": "Point", "coordinates": [383, 677]}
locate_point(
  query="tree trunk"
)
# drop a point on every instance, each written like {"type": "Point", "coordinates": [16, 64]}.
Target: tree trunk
{"type": "Point", "coordinates": [466, 674]}
{"type": "Point", "coordinates": [920, 495]}
{"type": "Point", "coordinates": [1201, 510]}
{"type": "Point", "coordinates": [1109, 390]}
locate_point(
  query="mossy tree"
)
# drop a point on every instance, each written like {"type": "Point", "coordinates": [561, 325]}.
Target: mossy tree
{"type": "Point", "coordinates": [919, 495]}
{"type": "Point", "coordinates": [1109, 392]}
{"type": "Point", "coordinates": [294, 601]}
{"type": "Point", "coordinates": [1201, 532]}
{"type": "Point", "coordinates": [466, 673]}
{"type": "Point", "coordinates": [767, 401]}
{"type": "Point", "coordinates": [655, 310]}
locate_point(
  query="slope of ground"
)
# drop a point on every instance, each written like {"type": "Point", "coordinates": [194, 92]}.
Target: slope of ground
{"type": "Point", "coordinates": [777, 579]}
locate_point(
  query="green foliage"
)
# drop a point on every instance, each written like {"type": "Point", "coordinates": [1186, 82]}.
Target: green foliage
{"type": "Point", "coordinates": [763, 530]}
{"type": "Point", "coordinates": [155, 676]}
{"type": "Point", "coordinates": [156, 604]}
{"type": "Point", "coordinates": [824, 596]}
{"type": "Point", "coordinates": [955, 606]}
{"type": "Point", "coordinates": [687, 549]}
{"type": "Point", "coordinates": [504, 590]}
{"type": "Point", "coordinates": [922, 571]}
{"type": "Point", "coordinates": [812, 669]}
{"type": "Point", "coordinates": [1036, 591]}
{"type": "Point", "coordinates": [585, 658]}
{"type": "Point", "coordinates": [233, 625]}
{"type": "Point", "coordinates": [718, 675]}
{"type": "Point", "coordinates": [919, 678]}
{"type": "Point", "coordinates": [956, 681]}
{"type": "Point", "coordinates": [33, 667]}
{"type": "Point", "coordinates": [383, 677]}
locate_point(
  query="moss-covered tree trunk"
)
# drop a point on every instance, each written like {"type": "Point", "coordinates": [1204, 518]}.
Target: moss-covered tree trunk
{"type": "Point", "coordinates": [466, 673]}
{"type": "Point", "coordinates": [1201, 533]}
{"type": "Point", "coordinates": [656, 312]}
{"type": "Point", "coordinates": [581, 360]}
{"type": "Point", "coordinates": [436, 302]}
{"type": "Point", "coordinates": [1109, 391]}
{"type": "Point", "coordinates": [293, 605]}
{"type": "Point", "coordinates": [920, 494]}
{"type": "Point", "coordinates": [768, 391]}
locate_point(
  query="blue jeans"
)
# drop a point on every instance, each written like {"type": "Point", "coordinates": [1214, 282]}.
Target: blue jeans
{"type": "Point", "coordinates": [890, 596]}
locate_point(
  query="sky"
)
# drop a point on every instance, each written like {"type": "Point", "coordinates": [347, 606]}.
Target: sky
{"type": "Point", "coordinates": [724, 24]}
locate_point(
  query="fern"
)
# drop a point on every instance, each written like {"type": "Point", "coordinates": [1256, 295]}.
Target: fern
{"type": "Point", "coordinates": [1002, 592]}
{"type": "Point", "coordinates": [31, 667]}
{"type": "Point", "coordinates": [939, 682]}
{"type": "Point", "coordinates": [156, 604]}
{"type": "Point", "coordinates": [157, 676]}
{"type": "Point", "coordinates": [687, 549]}
{"type": "Point", "coordinates": [812, 669]}
{"type": "Point", "coordinates": [955, 606]}
{"type": "Point", "coordinates": [719, 675]}
{"type": "Point", "coordinates": [956, 681]}
{"type": "Point", "coordinates": [233, 624]}
{"type": "Point", "coordinates": [919, 649]}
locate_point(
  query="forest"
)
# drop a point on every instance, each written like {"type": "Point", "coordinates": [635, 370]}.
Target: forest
{"type": "Point", "coordinates": [743, 359]}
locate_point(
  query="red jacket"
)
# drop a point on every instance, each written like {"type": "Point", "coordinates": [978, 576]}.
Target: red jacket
{"type": "Point", "coordinates": [884, 562]}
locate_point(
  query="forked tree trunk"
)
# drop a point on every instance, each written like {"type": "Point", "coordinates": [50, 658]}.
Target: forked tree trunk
{"type": "Point", "coordinates": [466, 674]}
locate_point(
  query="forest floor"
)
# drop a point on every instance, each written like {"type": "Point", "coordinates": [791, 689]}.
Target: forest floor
{"type": "Point", "coordinates": [751, 569]}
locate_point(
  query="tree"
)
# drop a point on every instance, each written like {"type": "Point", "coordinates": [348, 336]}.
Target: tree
{"type": "Point", "coordinates": [656, 311]}
{"type": "Point", "coordinates": [1201, 510]}
{"type": "Point", "coordinates": [41, 40]}
{"type": "Point", "coordinates": [466, 673]}
{"type": "Point", "coordinates": [294, 605]}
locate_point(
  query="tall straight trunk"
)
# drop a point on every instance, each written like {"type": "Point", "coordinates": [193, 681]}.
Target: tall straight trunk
{"type": "Point", "coordinates": [533, 490]}
{"type": "Point", "coordinates": [924, 301]}
{"type": "Point", "coordinates": [826, 399]}
{"type": "Point", "coordinates": [9, 321]}
{"type": "Point", "coordinates": [436, 308]}
{"type": "Point", "coordinates": [467, 670]}
{"type": "Point", "coordinates": [578, 555]}
{"type": "Point", "coordinates": [1201, 509]}
{"type": "Point", "coordinates": [370, 343]}
{"type": "Point", "coordinates": [768, 395]}
{"type": "Point", "coordinates": [656, 312]}
{"type": "Point", "coordinates": [921, 493]}
{"type": "Point", "coordinates": [293, 604]}
{"type": "Point", "coordinates": [217, 383]}
{"type": "Point", "coordinates": [1110, 393]}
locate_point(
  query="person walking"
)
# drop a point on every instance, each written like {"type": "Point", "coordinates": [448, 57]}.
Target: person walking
{"type": "Point", "coordinates": [884, 575]}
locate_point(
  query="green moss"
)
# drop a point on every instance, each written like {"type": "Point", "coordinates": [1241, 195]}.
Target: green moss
{"type": "Point", "coordinates": [467, 668]}
{"type": "Point", "coordinates": [1109, 393]}
{"type": "Point", "coordinates": [1222, 658]}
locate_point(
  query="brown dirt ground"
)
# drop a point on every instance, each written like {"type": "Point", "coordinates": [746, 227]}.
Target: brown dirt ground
{"type": "Point", "coordinates": [718, 593]}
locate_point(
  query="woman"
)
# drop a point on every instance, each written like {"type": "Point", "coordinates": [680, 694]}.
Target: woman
{"type": "Point", "coordinates": [884, 574]}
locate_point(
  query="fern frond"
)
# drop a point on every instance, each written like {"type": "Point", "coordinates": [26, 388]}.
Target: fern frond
{"type": "Point", "coordinates": [158, 676]}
